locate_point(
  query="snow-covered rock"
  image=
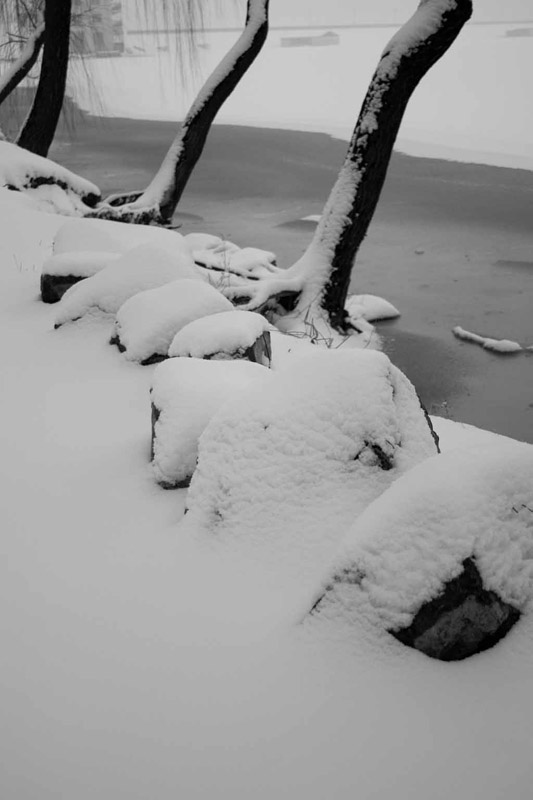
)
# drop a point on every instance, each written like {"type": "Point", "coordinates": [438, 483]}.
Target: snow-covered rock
{"type": "Point", "coordinates": [185, 394]}
{"type": "Point", "coordinates": [286, 468]}
{"type": "Point", "coordinates": [51, 186]}
{"type": "Point", "coordinates": [462, 512]}
{"type": "Point", "coordinates": [63, 270]}
{"type": "Point", "coordinates": [147, 323]}
{"type": "Point", "coordinates": [143, 267]}
{"type": "Point", "coordinates": [230, 334]}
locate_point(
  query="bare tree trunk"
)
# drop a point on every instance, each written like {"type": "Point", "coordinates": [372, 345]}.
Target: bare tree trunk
{"type": "Point", "coordinates": [418, 45]}
{"type": "Point", "coordinates": [26, 60]}
{"type": "Point", "coordinates": [39, 128]}
{"type": "Point", "coordinates": [166, 188]}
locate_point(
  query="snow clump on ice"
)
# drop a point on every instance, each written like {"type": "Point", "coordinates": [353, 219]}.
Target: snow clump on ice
{"type": "Point", "coordinates": [285, 468]}
{"type": "Point", "coordinates": [230, 334]}
{"type": "Point", "coordinates": [185, 394]}
{"type": "Point", "coordinates": [147, 323]}
{"type": "Point", "coordinates": [465, 504]}
{"type": "Point", "coordinates": [143, 267]}
{"type": "Point", "coordinates": [369, 307]}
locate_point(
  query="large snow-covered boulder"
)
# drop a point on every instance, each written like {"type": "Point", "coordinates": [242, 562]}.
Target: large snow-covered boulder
{"type": "Point", "coordinates": [147, 323]}
{"type": "Point", "coordinates": [286, 468]}
{"type": "Point", "coordinates": [144, 267]}
{"type": "Point", "coordinates": [185, 394]}
{"type": "Point", "coordinates": [443, 559]}
{"type": "Point", "coordinates": [53, 187]}
{"type": "Point", "coordinates": [230, 334]}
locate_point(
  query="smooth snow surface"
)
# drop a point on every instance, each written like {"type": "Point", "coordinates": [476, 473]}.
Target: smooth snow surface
{"type": "Point", "coordinates": [286, 468]}
{"type": "Point", "coordinates": [95, 235]}
{"type": "Point", "coordinates": [147, 323]}
{"type": "Point", "coordinates": [229, 332]}
{"type": "Point", "coordinates": [140, 662]}
{"type": "Point", "coordinates": [144, 267]}
{"type": "Point", "coordinates": [187, 392]}
{"type": "Point", "coordinates": [414, 538]}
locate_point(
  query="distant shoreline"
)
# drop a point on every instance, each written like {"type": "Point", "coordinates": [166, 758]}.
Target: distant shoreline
{"type": "Point", "coordinates": [313, 27]}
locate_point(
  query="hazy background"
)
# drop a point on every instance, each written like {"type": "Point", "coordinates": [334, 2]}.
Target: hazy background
{"type": "Point", "coordinates": [340, 12]}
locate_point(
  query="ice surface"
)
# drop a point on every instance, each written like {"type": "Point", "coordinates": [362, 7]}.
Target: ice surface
{"type": "Point", "coordinates": [227, 332]}
{"type": "Point", "coordinates": [187, 392]}
{"type": "Point", "coordinates": [144, 267]}
{"type": "Point", "coordinates": [147, 323]}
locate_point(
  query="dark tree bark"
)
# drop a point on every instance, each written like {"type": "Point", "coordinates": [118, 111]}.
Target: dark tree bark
{"type": "Point", "coordinates": [40, 126]}
{"type": "Point", "coordinates": [164, 192]}
{"type": "Point", "coordinates": [311, 294]}
{"type": "Point", "coordinates": [405, 61]}
{"type": "Point", "coordinates": [23, 64]}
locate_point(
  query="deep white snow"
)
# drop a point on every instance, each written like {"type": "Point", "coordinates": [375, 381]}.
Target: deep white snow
{"type": "Point", "coordinates": [140, 661]}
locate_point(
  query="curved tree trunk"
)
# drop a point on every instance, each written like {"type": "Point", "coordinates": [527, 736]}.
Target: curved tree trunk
{"type": "Point", "coordinates": [40, 126]}
{"type": "Point", "coordinates": [327, 264]}
{"type": "Point", "coordinates": [26, 60]}
{"type": "Point", "coordinates": [166, 188]}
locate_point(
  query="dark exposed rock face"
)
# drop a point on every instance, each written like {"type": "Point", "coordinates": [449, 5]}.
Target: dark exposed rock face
{"type": "Point", "coordinates": [463, 620]}
{"type": "Point", "coordinates": [156, 413]}
{"type": "Point", "coordinates": [53, 287]}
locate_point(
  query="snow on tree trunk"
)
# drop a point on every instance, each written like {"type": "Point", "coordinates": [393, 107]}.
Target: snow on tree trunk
{"type": "Point", "coordinates": [313, 290]}
{"type": "Point", "coordinates": [164, 192]}
{"type": "Point", "coordinates": [23, 64]}
{"type": "Point", "coordinates": [39, 128]}
{"type": "Point", "coordinates": [418, 45]}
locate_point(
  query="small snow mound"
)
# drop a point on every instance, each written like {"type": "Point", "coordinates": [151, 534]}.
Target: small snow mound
{"type": "Point", "coordinates": [185, 394]}
{"type": "Point", "coordinates": [369, 307]}
{"type": "Point", "coordinates": [230, 333]}
{"type": "Point", "coordinates": [143, 267]}
{"type": "Point", "coordinates": [466, 506]}
{"type": "Point", "coordinates": [287, 466]}
{"type": "Point", "coordinates": [99, 235]}
{"type": "Point", "coordinates": [496, 345]}
{"type": "Point", "coordinates": [147, 323]}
